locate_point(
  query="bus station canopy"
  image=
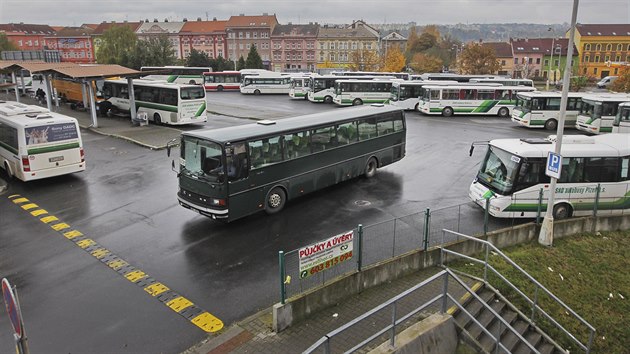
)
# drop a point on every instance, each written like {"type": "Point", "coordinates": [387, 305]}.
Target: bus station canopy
{"type": "Point", "coordinates": [71, 70]}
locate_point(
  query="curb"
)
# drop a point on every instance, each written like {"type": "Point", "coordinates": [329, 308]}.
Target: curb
{"type": "Point", "coordinates": [97, 131]}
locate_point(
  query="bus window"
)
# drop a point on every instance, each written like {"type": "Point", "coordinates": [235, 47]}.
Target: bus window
{"type": "Point", "coordinates": [323, 139]}
{"type": "Point", "coordinates": [485, 94]}
{"type": "Point", "coordinates": [624, 168]}
{"type": "Point", "coordinates": [449, 94]}
{"type": "Point", "coordinates": [237, 162]}
{"type": "Point", "coordinates": [385, 127]}
{"type": "Point", "coordinates": [601, 169]}
{"type": "Point", "coordinates": [468, 94]}
{"type": "Point", "coordinates": [367, 129]}
{"type": "Point", "coordinates": [347, 133]}
{"type": "Point", "coordinates": [572, 170]}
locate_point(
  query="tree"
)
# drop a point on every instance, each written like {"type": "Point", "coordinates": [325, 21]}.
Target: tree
{"type": "Point", "coordinates": [423, 63]}
{"type": "Point", "coordinates": [116, 43]}
{"type": "Point", "coordinates": [394, 60]}
{"type": "Point", "coordinates": [363, 60]}
{"type": "Point", "coordinates": [221, 64]}
{"type": "Point", "coordinates": [622, 84]}
{"type": "Point", "coordinates": [198, 58]}
{"type": "Point", "coordinates": [5, 44]}
{"type": "Point", "coordinates": [241, 63]}
{"type": "Point", "coordinates": [152, 52]}
{"type": "Point", "coordinates": [478, 59]}
{"type": "Point", "coordinates": [253, 59]}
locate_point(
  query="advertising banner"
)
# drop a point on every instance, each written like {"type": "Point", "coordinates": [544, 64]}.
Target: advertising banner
{"type": "Point", "coordinates": [325, 254]}
{"type": "Point", "coordinates": [51, 133]}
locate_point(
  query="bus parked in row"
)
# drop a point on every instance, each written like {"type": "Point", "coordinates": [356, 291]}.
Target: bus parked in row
{"type": "Point", "coordinates": [470, 99]}
{"type": "Point", "coordinates": [452, 77]}
{"type": "Point", "coordinates": [233, 172]}
{"type": "Point", "coordinates": [407, 94]}
{"type": "Point", "coordinates": [164, 103]}
{"type": "Point", "coordinates": [266, 84]}
{"type": "Point", "coordinates": [540, 109]}
{"type": "Point", "coordinates": [299, 85]}
{"type": "Point", "coordinates": [322, 88]}
{"type": "Point", "coordinates": [504, 81]}
{"type": "Point", "coordinates": [36, 143]}
{"type": "Point", "coordinates": [598, 112]}
{"type": "Point", "coordinates": [222, 81]}
{"type": "Point", "coordinates": [400, 75]}
{"type": "Point", "coordinates": [358, 92]}
{"type": "Point", "coordinates": [177, 74]}
{"type": "Point", "coordinates": [512, 174]}
{"type": "Point", "coordinates": [622, 119]}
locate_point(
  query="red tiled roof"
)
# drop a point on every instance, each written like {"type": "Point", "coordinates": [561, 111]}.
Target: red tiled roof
{"type": "Point", "coordinates": [27, 28]}
{"type": "Point", "coordinates": [74, 32]}
{"type": "Point", "coordinates": [603, 29]}
{"type": "Point", "coordinates": [541, 46]}
{"type": "Point", "coordinates": [501, 49]}
{"type": "Point", "coordinates": [204, 26]}
{"type": "Point", "coordinates": [252, 21]}
{"type": "Point", "coordinates": [90, 25]}
{"type": "Point", "coordinates": [107, 25]}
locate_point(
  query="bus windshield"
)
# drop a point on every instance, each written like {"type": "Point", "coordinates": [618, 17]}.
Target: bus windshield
{"type": "Point", "coordinates": [498, 170]}
{"type": "Point", "coordinates": [202, 159]}
{"type": "Point", "coordinates": [591, 109]}
{"type": "Point", "coordinates": [192, 93]}
{"type": "Point", "coordinates": [524, 103]}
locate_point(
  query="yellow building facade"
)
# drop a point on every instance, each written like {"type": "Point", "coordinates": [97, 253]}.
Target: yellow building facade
{"type": "Point", "coordinates": [603, 48]}
{"type": "Point", "coordinates": [336, 45]}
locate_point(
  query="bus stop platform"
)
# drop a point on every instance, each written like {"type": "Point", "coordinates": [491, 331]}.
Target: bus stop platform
{"type": "Point", "coordinates": [151, 136]}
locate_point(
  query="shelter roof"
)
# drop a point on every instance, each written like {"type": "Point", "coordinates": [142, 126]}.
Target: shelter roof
{"type": "Point", "coordinates": [71, 70]}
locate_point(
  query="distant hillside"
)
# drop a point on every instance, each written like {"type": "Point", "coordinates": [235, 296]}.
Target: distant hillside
{"type": "Point", "coordinates": [493, 32]}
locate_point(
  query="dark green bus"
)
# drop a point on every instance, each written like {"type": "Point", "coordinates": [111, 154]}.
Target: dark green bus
{"type": "Point", "coordinates": [233, 172]}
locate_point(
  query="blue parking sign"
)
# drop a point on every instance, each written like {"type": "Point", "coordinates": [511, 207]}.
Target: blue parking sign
{"type": "Point", "coordinates": [554, 165]}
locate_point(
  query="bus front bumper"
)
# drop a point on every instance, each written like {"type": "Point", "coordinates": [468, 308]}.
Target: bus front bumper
{"type": "Point", "coordinates": [211, 213]}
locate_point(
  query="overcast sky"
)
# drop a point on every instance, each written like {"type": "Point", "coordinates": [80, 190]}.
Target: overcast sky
{"type": "Point", "coordinates": [77, 12]}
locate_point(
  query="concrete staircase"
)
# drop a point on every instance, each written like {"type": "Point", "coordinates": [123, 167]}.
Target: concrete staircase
{"type": "Point", "coordinates": [486, 318]}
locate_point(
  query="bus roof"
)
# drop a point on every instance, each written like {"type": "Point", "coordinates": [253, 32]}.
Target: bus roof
{"type": "Point", "coordinates": [572, 146]}
{"type": "Point", "coordinates": [379, 80]}
{"type": "Point", "coordinates": [481, 86]}
{"type": "Point", "coordinates": [213, 73]}
{"type": "Point", "coordinates": [241, 132]}
{"type": "Point", "coordinates": [19, 114]}
{"type": "Point", "coordinates": [554, 94]}
{"type": "Point", "coordinates": [157, 83]}
{"type": "Point", "coordinates": [603, 97]}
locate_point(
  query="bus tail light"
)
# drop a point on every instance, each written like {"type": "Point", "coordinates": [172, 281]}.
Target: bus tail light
{"type": "Point", "coordinates": [218, 202]}
{"type": "Point", "coordinates": [26, 165]}
{"type": "Point", "coordinates": [82, 155]}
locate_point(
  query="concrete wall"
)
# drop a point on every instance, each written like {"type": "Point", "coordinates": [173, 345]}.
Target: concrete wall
{"type": "Point", "coordinates": [433, 335]}
{"type": "Point", "coordinates": [300, 307]}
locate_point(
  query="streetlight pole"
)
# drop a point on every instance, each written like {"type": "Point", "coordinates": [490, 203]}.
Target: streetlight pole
{"type": "Point", "coordinates": [550, 61]}
{"type": "Point", "coordinates": [546, 229]}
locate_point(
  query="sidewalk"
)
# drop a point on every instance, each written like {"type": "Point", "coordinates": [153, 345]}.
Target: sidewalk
{"type": "Point", "coordinates": [151, 136]}
{"type": "Point", "coordinates": [254, 334]}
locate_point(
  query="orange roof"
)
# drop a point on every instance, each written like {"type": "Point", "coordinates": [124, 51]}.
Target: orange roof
{"type": "Point", "coordinates": [90, 25]}
{"type": "Point", "coordinates": [252, 21]}
{"type": "Point", "coordinates": [204, 26]}
{"type": "Point", "coordinates": [57, 28]}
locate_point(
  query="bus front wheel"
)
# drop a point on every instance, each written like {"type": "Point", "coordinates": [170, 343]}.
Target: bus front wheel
{"type": "Point", "coordinates": [357, 102]}
{"type": "Point", "coordinates": [370, 167]}
{"type": "Point", "coordinates": [328, 99]}
{"type": "Point", "coordinates": [551, 124]}
{"type": "Point", "coordinates": [561, 211]}
{"type": "Point", "coordinates": [220, 88]}
{"type": "Point", "coordinates": [503, 112]}
{"type": "Point", "coordinates": [157, 119]}
{"type": "Point", "coordinates": [275, 200]}
{"type": "Point", "coordinates": [447, 112]}
{"type": "Point", "coordinates": [257, 92]}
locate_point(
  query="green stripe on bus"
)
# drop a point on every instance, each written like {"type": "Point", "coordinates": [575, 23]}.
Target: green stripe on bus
{"type": "Point", "coordinates": [171, 78]}
{"type": "Point", "coordinates": [9, 147]}
{"type": "Point", "coordinates": [605, 129]}
{"type": "Point", "coordinates": [43, 150]}
{"type": "Point", "coordinates": [621, 203]}
{"type": "Point", "coordinates": [163, 107]}
{"type": "Point", "coordinates": [201, 110]}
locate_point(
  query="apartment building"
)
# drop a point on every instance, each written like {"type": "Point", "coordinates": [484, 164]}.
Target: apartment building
{"type": "Point", "coordinates": [602, 48]}
{"type": "Point", "coordinates": [171, 30]}
{"type": "Point", "coordinates": [204, 36]}
{"type": "Point", "coordinates": [27, 36]}
{"type": "Point", "coordinates": [336, 45]}
{"type": "Point", "coordinates": [293, 47]}
{"type": "Point", "coordinates": [243, 32]}
{"type": "Point", "coordinates": [74, 44]}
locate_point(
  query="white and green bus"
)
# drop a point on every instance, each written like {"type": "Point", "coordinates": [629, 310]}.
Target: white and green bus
{"type": "Point", "coordinates": [481, 99]}
{"type": "Point", "coordinates": [540, 109]}
{"type": "Point", "coordinates": [407, 94]}
{"type": "Point", "coordinates": [36, 143]}
{"type": "Point", "coordinates": [512, 174]}
{"type": "Point", "coordinates": [163, 103]}
{"type": "Point", "coordinates": [357, 92]}
{"type": "Point", "coordinates": [233, 172]}
{"type": "Point", "coordinates": [622, 119]}
{"type": "Point", "coordinates": [300, 85]}
{"type": "Point", "coordinates": [322, 88]}
{"type": "Point", "coordinates": [176, 74]}
{"type": "Point", "coordinates": [266, 84]}
{"type": "Point", "coordinates": [598, 112]}
{"type": "Point", "coordinates": [503, 81]}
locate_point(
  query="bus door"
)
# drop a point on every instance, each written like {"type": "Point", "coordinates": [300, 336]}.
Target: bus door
{"type": "Point", "coordinates": [241, 200]}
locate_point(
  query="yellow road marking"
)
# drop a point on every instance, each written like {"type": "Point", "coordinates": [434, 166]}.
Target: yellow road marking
{"type": "Point", "coordinates": [117, 264]}
{"type": "Point", "coordinates": [135, 275]}
{"type": "Point", "coordinates": [179, 303]}
{"type": "Point", "coordinates": [156, 289]}
{"type": "Point", "coordinates": [100, 253]}
{"type": "Point", "coordinates": [38, 212]}
{"type": "Point", "coordinates": [20, 200]}
{"type": "Point", "coordinates": [49, 219]}
{"type": "Point", "coordinates": [207, 322]}
{"type": "Point", "coordinates": [72, 234]}
{"type": "Point", "coordinates": [60, 226]}
{"type": "Point", "coordinates": [85, 243]}
{"type": "Point", "coordinates": [29, 206]}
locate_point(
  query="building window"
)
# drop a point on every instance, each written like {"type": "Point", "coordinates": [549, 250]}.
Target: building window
{"type": "Point", "coordinates": [608, 47]}
{"type": "Point", "coordinates": [332, 45]}
{"type": "Point", "coordinates": [587, 58]}
{"type": "Point", "coordinates": [515, 60]}
{"type": "Point", "coordinates": [502, 62]}
{"type": "Point", "coordinates": [537, 60]}
{"type": "Point", "coordinates": [255, 34]}
{"type": "Point", "coordinates": [596, 59]}
{"type": "Point", "coordinates": [598, 47]}
{"type": "Point", "coordinates": [556, 62]}
{"type": "Point", "coordinates": [616, 71]}
{"type": "Point", "coordinates": [240, 35]}
{"type": "Point", "coordinates": [587, 46]}
{"type": "Point", "coordinates": [618, 58]}
{"type": "Point", "coordinates": [595, 71]}
{"type": "Point", "coordinates": [619, 47]}
{"type": "Point", "coordinates": [354, 45]}
{"type": "Point", "coordinates": [530, 61]}
{"type": "Point", "coordinates": [332, 56]}
{"type": "Point", "coordinates": [546, 63]}
{"type": "Point", "coordinates": [607, 58]}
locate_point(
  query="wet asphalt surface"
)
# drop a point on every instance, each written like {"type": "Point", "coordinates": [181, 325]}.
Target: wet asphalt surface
{"type": "Point", "coordinates": [126, 201]}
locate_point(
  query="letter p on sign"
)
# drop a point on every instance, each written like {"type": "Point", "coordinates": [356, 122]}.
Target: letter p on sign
{"type": "Point", "coordinates": [554, 165]}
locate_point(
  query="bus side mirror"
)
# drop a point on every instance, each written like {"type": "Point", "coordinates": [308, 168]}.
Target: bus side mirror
{"type": "Point", "coordinates": [173, 165]}
{"type": "Point", "coordinates": [169, 145]}
{"type": "Point", "coordinates": [472, 147]}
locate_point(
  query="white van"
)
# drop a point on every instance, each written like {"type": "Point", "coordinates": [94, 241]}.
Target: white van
{"type": "Point", "coordinates": [607, 81]}
{"type": "Point", "coordinates": [36, 143]}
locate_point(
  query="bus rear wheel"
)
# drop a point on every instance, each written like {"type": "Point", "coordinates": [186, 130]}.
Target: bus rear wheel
{"type": "Point", "coordinates": [328, 99]}
{"type": "Point", "coordinates": [157, 119]}
{"type": "Point", "coordinates": [551, 124]}
{"type": "Point", "coordinates": [503, 112]}
{"type": "Point", "coordinates": [220, 88]}
{"type": "Point", "coordinates": [370, 167]}
{"type": "Point", "coordinates": [561, 211]}
{"type": "Point", "coordinates": [357, 102]}
{"type": "Point", "coordinates": [447, 112]}
{"type": "Point", "coordinates": [275, 200]}
{"type": "Point", "coordinates": [257, 92]}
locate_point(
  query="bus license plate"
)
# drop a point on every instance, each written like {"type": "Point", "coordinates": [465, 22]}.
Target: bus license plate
{"type": "Point", "coordinates": [56, 159]}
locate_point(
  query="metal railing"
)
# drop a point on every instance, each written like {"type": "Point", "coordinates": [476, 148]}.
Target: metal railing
{"type": "Point", "coordinates": [538, 288]}
{"type": "Point", "coordinates": [325, 344]}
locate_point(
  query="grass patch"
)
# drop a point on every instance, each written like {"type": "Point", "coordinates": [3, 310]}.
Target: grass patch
{"type": "Point", "coordinates": [590, 273]}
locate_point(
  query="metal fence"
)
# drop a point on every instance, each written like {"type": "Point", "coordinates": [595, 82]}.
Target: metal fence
{"type": "Point", "coordinates": [423, 230]}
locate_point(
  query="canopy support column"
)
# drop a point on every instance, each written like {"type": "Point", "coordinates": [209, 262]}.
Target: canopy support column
{"type": "Point", "coordinates": [17, 88]}
{"type": "Point", "coordinates": [132, 99]}
{"type": "Point", "coordinates": [92, 105]}
{"type": "Point", "coordinates": [48, 91]}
